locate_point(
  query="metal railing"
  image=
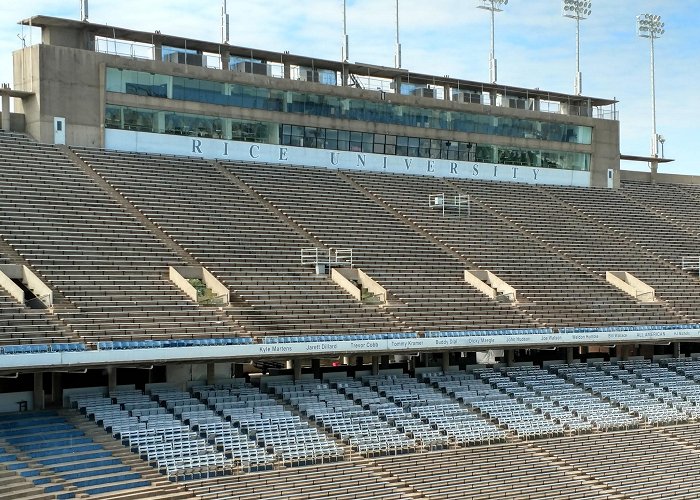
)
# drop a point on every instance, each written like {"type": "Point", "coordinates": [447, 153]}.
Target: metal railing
{"type": "Point", "coordinates": [331, 257]}
{"type": "Point", "coordinates": [460, 202]}
{"type": "Point", "coordinates": [690, 263]}
{"type": "Point", "coordinates": [45, 300]}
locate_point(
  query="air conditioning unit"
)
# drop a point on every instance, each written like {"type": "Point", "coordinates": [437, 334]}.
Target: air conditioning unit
{"type": "Point", "coordinates": [254, 68]}
{"type": "Point", "coordinates": [185, 58]}
{"type": "Point", "coordinates": [424, 92]}
{"type": "Point", "coordinates": [467, 97]}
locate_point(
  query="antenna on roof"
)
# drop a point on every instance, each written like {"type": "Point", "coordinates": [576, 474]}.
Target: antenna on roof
{"type": "Point", "coordinates": [397, 56]}
{"type": "Point", "coordinates": [225, 33]}
{"type": "Point", "coordinates": [346, 40]}
{"type": "Point", "coordinates": [84, 10]}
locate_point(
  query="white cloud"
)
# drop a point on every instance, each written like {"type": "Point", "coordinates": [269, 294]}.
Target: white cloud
{"type": "Point", "coordinates": [534, 46]}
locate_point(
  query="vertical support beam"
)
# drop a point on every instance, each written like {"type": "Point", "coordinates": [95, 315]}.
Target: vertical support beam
{"type": "Point", "coordinates": [211, 373]}
{"type": "Point", "coordinates": [158, 51]}
{"type": "Point", "coordinates": [446, 89]}
{"type": "Point", "coordinates": [445, 361]}
{"type": "Point", "coordinates": [676, 349]}
{"type": "Point", "coordinates": [56, 389]}
{"type": "Point", "coordinates": [316, 368]}
{"type": "Point", "coordinates": [39, 403]}
{"type": "Point", "coordinates": [359, 361]}
{"type": "Point", "coordinates": [385, 361]}
{"type": "Point", "coordinates": [287, 71]}
{"type": "Point", "coordinates": [225, 59]}
{"type": "Point", "coordinates": [5, 112]}
{"type": "Point", "coordinates": [289, 364]}
{"type": "Point", "coordinates": [569, 355]}
{"type": "Point", "coordinates": [510, 357]}
{"type": "Point", "coordinates": [238, 370]}
{"type": "Point", "coordinates": [111, 377]}
{"type": "Point", "coordinates": [375, 365]}
{"type": "Point", "coordinates": [296, 366]}
{"type": "Point", "coordinates": [397, 85]}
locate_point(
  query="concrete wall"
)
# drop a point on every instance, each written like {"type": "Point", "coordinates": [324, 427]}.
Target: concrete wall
{"type": "Point", "coordinates": [632, 175]}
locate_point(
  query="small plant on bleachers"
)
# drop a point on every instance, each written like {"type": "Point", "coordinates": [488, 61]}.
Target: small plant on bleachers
{"type": "Point", "coordinates": [205, 295]}
{"type": "Point", "coordinates": [370, 298]}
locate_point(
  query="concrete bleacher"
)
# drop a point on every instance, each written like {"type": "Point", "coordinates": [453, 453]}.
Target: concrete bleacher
{"type": "Point", "coordinates": [426, 281]}
{"type": "Point", "coordinates": [109, 269]}
{"type": "Point", "coordinates": [238, 238]}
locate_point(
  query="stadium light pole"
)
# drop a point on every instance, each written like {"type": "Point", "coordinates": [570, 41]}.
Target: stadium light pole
{"type": "Point", "coordinates": [345, 51]}
{"type": "Point", "coordinates": [397, 56]}
{"type": "Point", "coordinates": [578, 10]}
{"type": "Point", "coordinates": [650, 26]}
{"type": "Point", "coordinates": [493, 6]}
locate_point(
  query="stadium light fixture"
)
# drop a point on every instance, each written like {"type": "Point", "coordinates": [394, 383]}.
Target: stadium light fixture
{"type": "Point", "coordinates": [493, 6]}
{"type": "Point", "coordinates": [650, 26]}
{"type": "Point", "coordinates": [345, 50]}
{"type": "Point", "coordinates": [578, 10]}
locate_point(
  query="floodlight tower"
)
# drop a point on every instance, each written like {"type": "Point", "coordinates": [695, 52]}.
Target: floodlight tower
{"type": "Point", "coordinates": [493, 6]}
{"type": "Point", "coordinates": [578, 10]}
{"type": "Point", "coordinates": [650, 26]}
{"type": "Point", "coordinates": [346, 40]}
{"type": "Point", "coordinates": [397, 55]}
{"type": "Point", "coordinates": [225, 25]}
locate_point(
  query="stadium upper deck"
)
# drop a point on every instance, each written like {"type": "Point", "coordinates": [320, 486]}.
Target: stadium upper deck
{"type": "Point", "coordinates": [106, 86]}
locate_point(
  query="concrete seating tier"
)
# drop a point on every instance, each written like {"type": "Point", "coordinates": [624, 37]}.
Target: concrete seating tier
{"type": "Point", "coordinates": [102, 260]}
{"type": "Point", "coordinates": [550, 287]}
{"type": "Point", "coordinates": [602, 231]}
{"type": "Point", "coordinates": [425, 280]}
{"type": "Point", "coordinates": [342, 481]}
{"type": "Point", "coordinates": [247, 246]}
{"type": "Point", "coordinates": [499, 471]}
{"type": "Point", "coordinates": [643, 464]}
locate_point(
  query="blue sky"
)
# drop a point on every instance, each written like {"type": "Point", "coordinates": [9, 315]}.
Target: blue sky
{"type": "Point", "coordinates": [535, 47]}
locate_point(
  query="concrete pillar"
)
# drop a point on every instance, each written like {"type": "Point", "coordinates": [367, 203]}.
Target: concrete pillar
{"type": "Point", "coordinates": [569, 355]}
{"type": "Point", "coordinates": [316, 368]}
{"type": "Point", "coordinates": [510, 357]}
{"type": "Point", "coordinates": [375, 365]}
{"type": "Point", "coordinates": [348, 360]}
{"type": "Point", "coordinates": [397, 85]}
{"type": "Point", "coordinates": [385, 360]}
{"type": "Point", "coordinates": [445, 361]}
{"type": "Point", "coordinates": [158, 51]}
{"type": "Point", "coordinates": [211, 373]}
{"type": "Point", "coordinates": [238, 370]}
{"type": "Point", "coordinates": [290, 364]}
{"type": "Point", "coordinates": [5, 113]}
{"type": "Point", "coordinates": [111, 377]}
{"type": "Point", "coordinates": [287, 71]}
{"type": "Point", "coordinates": [359, 361]}
{"type": "Point", "coordinates": [225, 58]}
{"type": "Point", "coordinates": [446, 89]}
{"type": "Point", "coordinates": [296, 366]}
{"type": "Point", "coordinates": [56, 389]}
{"type": "Point", "coordinates": [39, 391]}
{"type": "Point", "coordinates": [676, 349]}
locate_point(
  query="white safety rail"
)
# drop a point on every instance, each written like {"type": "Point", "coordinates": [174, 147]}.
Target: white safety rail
{"type": "Point", "coordinates": [330, 258]}
{"type": "Point", "coordinates": [461, 203]}
{"type": "Point", "coordinates": [690, 263]}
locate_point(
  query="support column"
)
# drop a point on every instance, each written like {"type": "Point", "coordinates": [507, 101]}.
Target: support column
{"type": "Point", "coordinates": [39, 391]}
{"type": "Point", "coordinates": [385, 361]}
{"type": "Point", "coordinates": [375, 365]}
{"type": "Point", "coordinates": [359, 361]}
{"type": "Point", "coordinates": [316, 368]}
{"type": "Point", "coordinates": [676, 349]}
{"type": "Point", "coordinates": [158, 51]}
{"type": "Point", "coordinates": [397, 85]}
{"type": "Point", "coordinates": [296, 366]}
{"type": "Point", "coordinates": [5, 112]}
{"type": "Point", "coordinates": [287, 71]}
{"type": "Point", "coordinates": [446, 90]}
{"type": "Point", "coordinates": [238, 370]}
{"type": "Point", "coordinates": [211, 373]}
{"type": "Point", "coordinates": [289, 364]}
{"type": "Point", "coordinates": [445, 361]}
{"type": "Point", "coordinates": [56, 389]}
{"type": "Point", "coordinates": [510, 357]}
{"type": "Point", "coordinates": [569, 355]}
{"type": "Point", "coordinates": [225, 58]}
{"type": "Point", "coordinates": [111, 377]}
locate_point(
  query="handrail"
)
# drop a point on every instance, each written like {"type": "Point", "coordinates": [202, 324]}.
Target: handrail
{"type": "Point", "coordinates": [46, 300]}
{"type": "Point", "coordinates": [337, 257]}
{"type": "Point", "coordinates": [690, 263]}
{"type": "Point", "coordinates": [441, 200]}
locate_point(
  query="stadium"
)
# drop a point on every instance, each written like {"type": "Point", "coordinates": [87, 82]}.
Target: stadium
{"type": "Point", "coordinates": [234, 273]}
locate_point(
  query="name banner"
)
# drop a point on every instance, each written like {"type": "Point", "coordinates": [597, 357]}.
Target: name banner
{"type": "Point", "coordinates": [332, 348]}
{"type": "Point", "coordinates": [218, 149]}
